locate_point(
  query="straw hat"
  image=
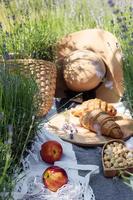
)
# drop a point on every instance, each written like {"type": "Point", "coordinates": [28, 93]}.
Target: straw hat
{"type": "Point", "coordinates": [92, 59]}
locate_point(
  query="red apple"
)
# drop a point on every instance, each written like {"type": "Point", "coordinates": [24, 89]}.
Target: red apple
{"type": "Point", "coordinates": [54, 177]}
{"type": "Point", "coordinates": [51, 151]}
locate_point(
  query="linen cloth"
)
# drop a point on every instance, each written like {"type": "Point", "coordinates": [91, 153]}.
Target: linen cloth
{"type": "Point", "coordinates": [104, 188]}
{"type": "Point", "coordinates": [30, 185]}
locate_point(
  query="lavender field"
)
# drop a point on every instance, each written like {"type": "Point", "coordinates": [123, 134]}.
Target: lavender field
{"type": "Point", "coordinates": [31, 29]}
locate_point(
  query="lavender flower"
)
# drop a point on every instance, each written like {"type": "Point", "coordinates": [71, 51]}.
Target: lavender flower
{"type": "Point", "coordinates": [5, 52]}
{"type": "Point", "coordinates": [7, 34]}
{"type": "Point", "coordinates": [124, 28]}
{"type": "Point", "coordinates": [4, 46]}
{"type": "Point", "coordinates": [119, 19]}
{"type": "Point", "coordinates": [70, 129]}
{"type": "Point", "coordinates": [111, 3]}
{"type": "Point", "coordinates": [124, 18]}
{"type": "Point", "coordinates": [13, 17]}
{"type": "Point", "coordinates": [124, 36]}
{"type": "Point", "coordinates": [116, 11]}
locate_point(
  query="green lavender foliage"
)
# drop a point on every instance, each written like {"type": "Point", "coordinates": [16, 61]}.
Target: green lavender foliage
{"type": "Point", "coordinates": [17, 105]}
{"type": "Point", "coordinates": [121, 24]}
{"type": "Point", "coordinates": [18, 124]}
{"type": "Point", "coordinates": [31, 29]}
{"type": "Point", "coordinates": [6, 183]}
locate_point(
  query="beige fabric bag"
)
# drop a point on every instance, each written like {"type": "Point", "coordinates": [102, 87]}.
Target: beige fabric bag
{"type": "Point", "coordinates": [89, 49]}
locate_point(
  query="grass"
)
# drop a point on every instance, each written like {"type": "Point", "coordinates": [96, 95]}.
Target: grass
{"type": "Point", "coordinates": [18, 125]}
{"type": "Point", "coordinates": [31, 29]}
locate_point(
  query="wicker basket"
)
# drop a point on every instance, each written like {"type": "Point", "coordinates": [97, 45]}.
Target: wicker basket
{"type": "Point", "coordinates": [44, 73]}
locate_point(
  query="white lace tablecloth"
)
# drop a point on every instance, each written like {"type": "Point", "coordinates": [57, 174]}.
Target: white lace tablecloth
{"type": "Point", "coordinates": [30, 185]}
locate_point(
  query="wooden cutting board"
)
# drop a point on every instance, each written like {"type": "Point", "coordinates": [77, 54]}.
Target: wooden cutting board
{"type": "Point", "coordinates": [85, 137]}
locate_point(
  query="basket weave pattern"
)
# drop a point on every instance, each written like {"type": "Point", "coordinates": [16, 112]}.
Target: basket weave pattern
{"type": "Point", "coordinates": [44, 73]}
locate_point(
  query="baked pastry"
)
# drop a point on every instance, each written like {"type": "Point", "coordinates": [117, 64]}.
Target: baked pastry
{"type": "Point", "coordinates": [93, 104]}
{"type": "Point", "coordinates": [99, 121]}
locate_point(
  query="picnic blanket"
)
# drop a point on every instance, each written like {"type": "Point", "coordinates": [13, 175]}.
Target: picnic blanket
{"type": "Point", "coordinates": [79, 163]}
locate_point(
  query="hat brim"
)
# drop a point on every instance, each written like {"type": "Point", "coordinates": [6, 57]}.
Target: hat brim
{"type": "Point", "coordinates": [106, 46]}
{"type": "Point", "coordinates": [112, 88]}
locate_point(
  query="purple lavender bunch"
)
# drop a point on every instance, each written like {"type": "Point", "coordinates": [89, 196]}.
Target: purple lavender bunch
{"type": "Point", "coordinates": [70, 129]}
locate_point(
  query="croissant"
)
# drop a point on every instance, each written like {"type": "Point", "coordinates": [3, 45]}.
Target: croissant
{"type": "Point", "coordinates": [98, 120]}
{"type": "Point", "coordinates": [93, 104]}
